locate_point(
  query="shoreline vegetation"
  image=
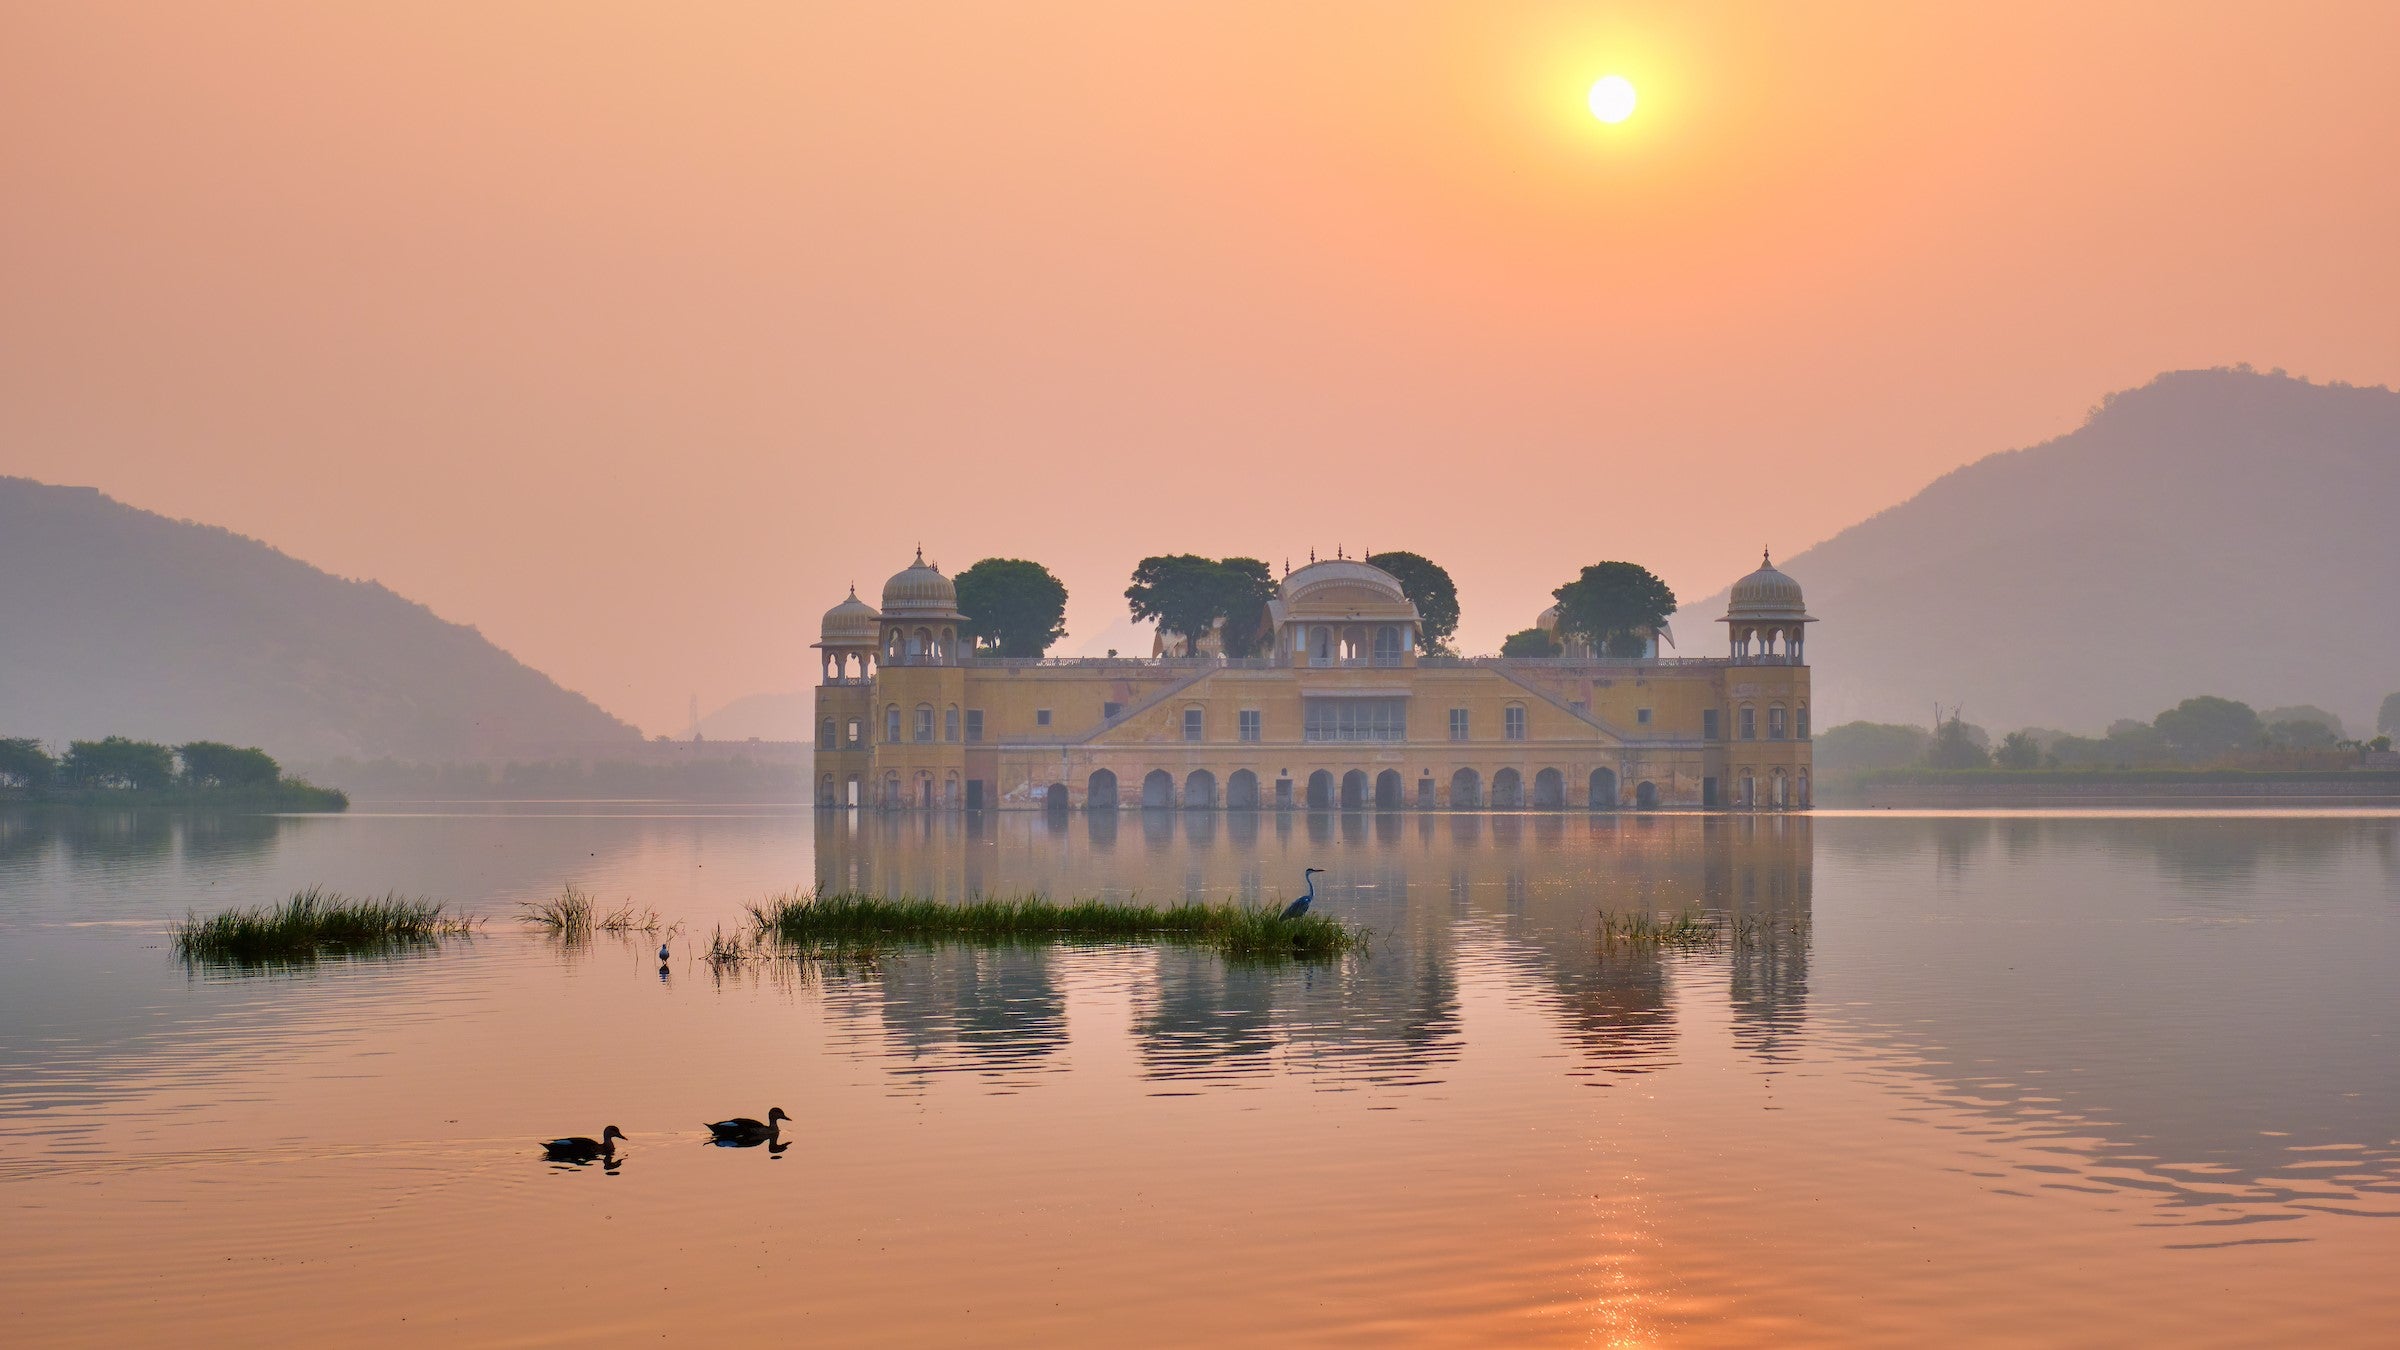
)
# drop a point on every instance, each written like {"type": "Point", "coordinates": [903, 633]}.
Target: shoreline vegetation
{"type": "Point", "coordinates": [120, 771]}
{"type": "Point", "coordinates": [805, 924]}
{"type": "Point", "coordinates": [316, 923]}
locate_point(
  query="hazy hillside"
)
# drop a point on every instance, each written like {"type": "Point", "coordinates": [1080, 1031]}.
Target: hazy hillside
{"type": "Point", "coordinates": [2211, 532]}
{"type": "Point", "coordinates": [118, 620]}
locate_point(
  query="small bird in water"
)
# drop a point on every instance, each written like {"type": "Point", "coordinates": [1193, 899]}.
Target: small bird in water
{"type": "Point", "coordinates": [744, 1130]}
{"type": "Point", "coordinates": [662, 953]}
{"type": "Point", "coordinates": [1300, 906]}
{"type": "Point", "coordinates": [582, 1147]}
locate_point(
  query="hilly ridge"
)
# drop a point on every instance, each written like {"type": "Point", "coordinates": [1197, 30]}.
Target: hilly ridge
{"type": "Point", "coordinates": [120, 620]}
{"type": "Point", "coordinates": [2217, 531]}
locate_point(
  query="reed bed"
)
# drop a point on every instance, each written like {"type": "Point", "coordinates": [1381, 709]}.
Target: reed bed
{"type": "Point", "coordinates": [1690, 929]}
{"type": "Point", "coordinates": [842, 921]}
{"type": "Point", "coordinates": [312, 923]}
{"type": "Point", "coordinates": [574, 915]}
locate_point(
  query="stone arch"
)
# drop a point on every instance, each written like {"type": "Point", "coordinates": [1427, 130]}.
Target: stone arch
{"type": "Point", "coordinates": [1802, 801]}
{"type": "Point", "coordinates": [1549, 790]}
{"type": "Point", "coordinates": [1200, 790]}
{"type": "Point", "coordinates": [1388, 791]}
{"type": "Point", "coordinates": [1645, 796]}
{"type": "Point", "coordinates": [1320, 790]}
{"type": "Point", "coordinates": [1158, 788]}
{"type": "Point", "coordinates": [1241, 790]}
{"type": "Point", "coordinates": [1779, 795]}
{"type": "Point", "coordinates": [1354, 789]}
{"type": "Point", "coordinates": [1508, 790]}
{"type": "Point", "coordinates": [825, 791]}
{"type": "Point", "coordinates": [1466, 790]}
{"type": "Point", "coordinates": [1604, 790]}
{"type": "Point", "coordinates": [1055, 799]}
{"type": "Point", "coordinates": [1100, 791]}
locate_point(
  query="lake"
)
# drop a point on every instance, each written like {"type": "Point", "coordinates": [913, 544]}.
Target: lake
{"type": "Point", "coordinates": [2005, 1077]}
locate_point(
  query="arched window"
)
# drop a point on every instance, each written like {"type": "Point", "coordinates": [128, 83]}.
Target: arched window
{"type": "Point", "coordinates": [950, 723]}
{"type": "Point", "coordinates": [950, 792]}
{"type": "Point", "coordinates": [1800, 722]}
{"type": "Point", "coordinates": [825, 738]}
{"type": "Point", "coordinates": [1775, 722]}
{"type": "Point", "coordinates": [1803, 788]}
{"type": "Point", "coordinates": [891, 789]}
{"type": "Point", "coordinates": [924, 722]}
{"type": "Point", "coordinates": [1748, 721]}
{"type": "Point", "coordinates": [1749, 790]}
{"type": "Point", "coordinates": [891, 724]}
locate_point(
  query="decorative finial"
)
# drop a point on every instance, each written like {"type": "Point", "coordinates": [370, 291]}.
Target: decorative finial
{"type": "Point", "coordinates": [1312, 554]}
{"type": "Point", "coordinates": [1763, 559]}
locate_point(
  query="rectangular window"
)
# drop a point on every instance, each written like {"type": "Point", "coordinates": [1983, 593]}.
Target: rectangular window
{"type": "Point", "coordinates": [1192, 724]}
{"type": "Point", "coordinates": [949, 724]}
{"type": "Point", "coordinates": [1800, 726]}
{"type": "Point", "coordinates": [1708, 724]}
{"type": "Point", "coordinates": [1642, 715]}
{"type": "Point", "coordinates": [1283, 794]}
{"type": "Point", "coordinates": [1110, 711]}
{"type": "Point", "coordinates": [974, 794]}
{"type": "Point", "coordinates": [891, 725]}
{"type": "Point", "coordinates": [826, 742]}
{"type": "Point", "coordinates": [1708, 792]}
{"type": "Point", "coordinates": [1749, 724]}
{"type": "Point", "coordinates": [1041, 717]}
{"type": "Point", "coordinates": [1458, 724]}
{"type": "Point", "coordinates": [1513, 723]}
{"type": "Point", "coordinates": [1355, 719]}
{"type": "Point", "coordinates": [974, 724]}
{"type": "Point", "coordinates": [1774, 724]}
{"type": "Point", "coordinates": [1251, 724]}
{"type": "Point", "coordinates": [924, 725]}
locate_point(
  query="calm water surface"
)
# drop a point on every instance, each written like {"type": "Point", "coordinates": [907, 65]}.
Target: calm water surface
{"type": "Point", "coordinates": [2000, 1078]}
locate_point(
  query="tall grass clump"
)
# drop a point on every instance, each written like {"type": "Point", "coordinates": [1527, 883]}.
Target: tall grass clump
{"type": "Point", "coordinates": [574, 915]}
{"type": "Point", "coordinates": [313, 923]}
{"type": "Point", "coordinates": [814, 922]}
{"type": "Point", "coordinates": [1687, 930]}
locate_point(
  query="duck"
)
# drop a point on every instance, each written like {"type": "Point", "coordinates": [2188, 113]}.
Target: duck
{"type": "Point", "coordinates": [582, 1147]}
{"type": "Point", "coordinates": [742, 1129]}
{"type": "Point", "coordinates": [663, 954]}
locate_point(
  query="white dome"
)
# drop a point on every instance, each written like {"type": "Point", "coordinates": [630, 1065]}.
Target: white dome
{"type": "Point", "coordinates": [1766, 594]}
{"type": "Point", "coordinates": [852, 623]}
{"type": "Point", "coordinates": [920, 591]}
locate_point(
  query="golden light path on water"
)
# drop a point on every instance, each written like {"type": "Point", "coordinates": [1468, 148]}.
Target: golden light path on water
{"type": "Point", "coordinates": [1972, 1079]}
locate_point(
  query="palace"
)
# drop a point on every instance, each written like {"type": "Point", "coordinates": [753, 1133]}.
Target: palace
{"type": "Point", "coordinates": [1343, 710]}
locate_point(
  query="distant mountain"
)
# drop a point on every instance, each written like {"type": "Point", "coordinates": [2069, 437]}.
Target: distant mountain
{"type": "Point", "coordinates": [114, 619]}
{"type": "Point", "coordinates": [766, 717]}
{"type": "Point", "coordinates": [2212, 532]}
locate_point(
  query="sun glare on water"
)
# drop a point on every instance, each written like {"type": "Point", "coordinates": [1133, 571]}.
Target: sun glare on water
{"type": "Point", "coordinates": [1612, 98]}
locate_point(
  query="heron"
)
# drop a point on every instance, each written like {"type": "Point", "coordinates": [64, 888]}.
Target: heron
{"type": "Point", "coordinates": [582, 1147]}
{"type": "Point", "coordinates": [742, 1129]}
{"type": "Point", "coordinates": [1300, 906]}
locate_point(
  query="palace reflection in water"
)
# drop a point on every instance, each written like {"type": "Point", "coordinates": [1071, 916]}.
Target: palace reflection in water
{"type": "Point", "coordinates": [1525, 890]}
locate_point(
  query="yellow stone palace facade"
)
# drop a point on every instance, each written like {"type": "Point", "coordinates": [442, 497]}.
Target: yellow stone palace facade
{"type": "Point", "coordinates": [1343, 710]}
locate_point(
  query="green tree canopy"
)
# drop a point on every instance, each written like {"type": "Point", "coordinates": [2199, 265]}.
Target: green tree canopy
{"type": "Point", "coordinates": [2304, 712]}
{"type": "Point", "coordinates": [2206, 727]}
{"type": "Point", "coordinates": [1186, 594]}
{"type": "Point", "coordinates": [2018, 750]}
{"type": "Point", "coordinates": [25, 764]}
{"type": "Point", "coordinates": [215, 764]}
{"type": "Point", "coordinates": [1249, 585]}
{"type": "Point", "coordinates": [1957, 745]}
{"type": "Point", "coordinates": [118, 762]}
{"type": "Point", "coordinates": [1428, 584]}
{"type": "Point", "coordinates": [1014, 607]}
{"type": "Point", "coordinates": [2301, 733]}
{"type": "Point", "coordinates": [1613, 607]}
{"type": "Point", "coordinates": [1531, 642]}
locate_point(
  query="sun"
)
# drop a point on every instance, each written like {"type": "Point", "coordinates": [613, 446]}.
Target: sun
{"type": "Point", "coordinates": [1612, 98]}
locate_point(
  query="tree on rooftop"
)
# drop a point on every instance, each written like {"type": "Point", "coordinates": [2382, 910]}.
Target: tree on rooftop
{"type": "Point", "coordinates": [1249, 585]}
{"type": "Point", "coordinates": [1183, 593]}
{"type": "Point", "coordinates": [1531, 642]}
{"type": "Point", "coordinates": [1614, 607]}
{"type": "Point", "coordinates": [1014, 607]}
{"type": "Point", "coordinates": [1428, 584]}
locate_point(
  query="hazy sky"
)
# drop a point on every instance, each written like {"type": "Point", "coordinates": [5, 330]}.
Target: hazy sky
{"type": "Point", "coordinates": [630, 334]}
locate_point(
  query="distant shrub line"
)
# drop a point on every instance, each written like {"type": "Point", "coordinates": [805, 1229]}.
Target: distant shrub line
{"type": "Point", "coordinates": [120, 769]}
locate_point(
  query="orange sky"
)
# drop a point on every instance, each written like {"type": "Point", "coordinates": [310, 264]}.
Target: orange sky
{"type": "Point", "coordinates": [631, 333]}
